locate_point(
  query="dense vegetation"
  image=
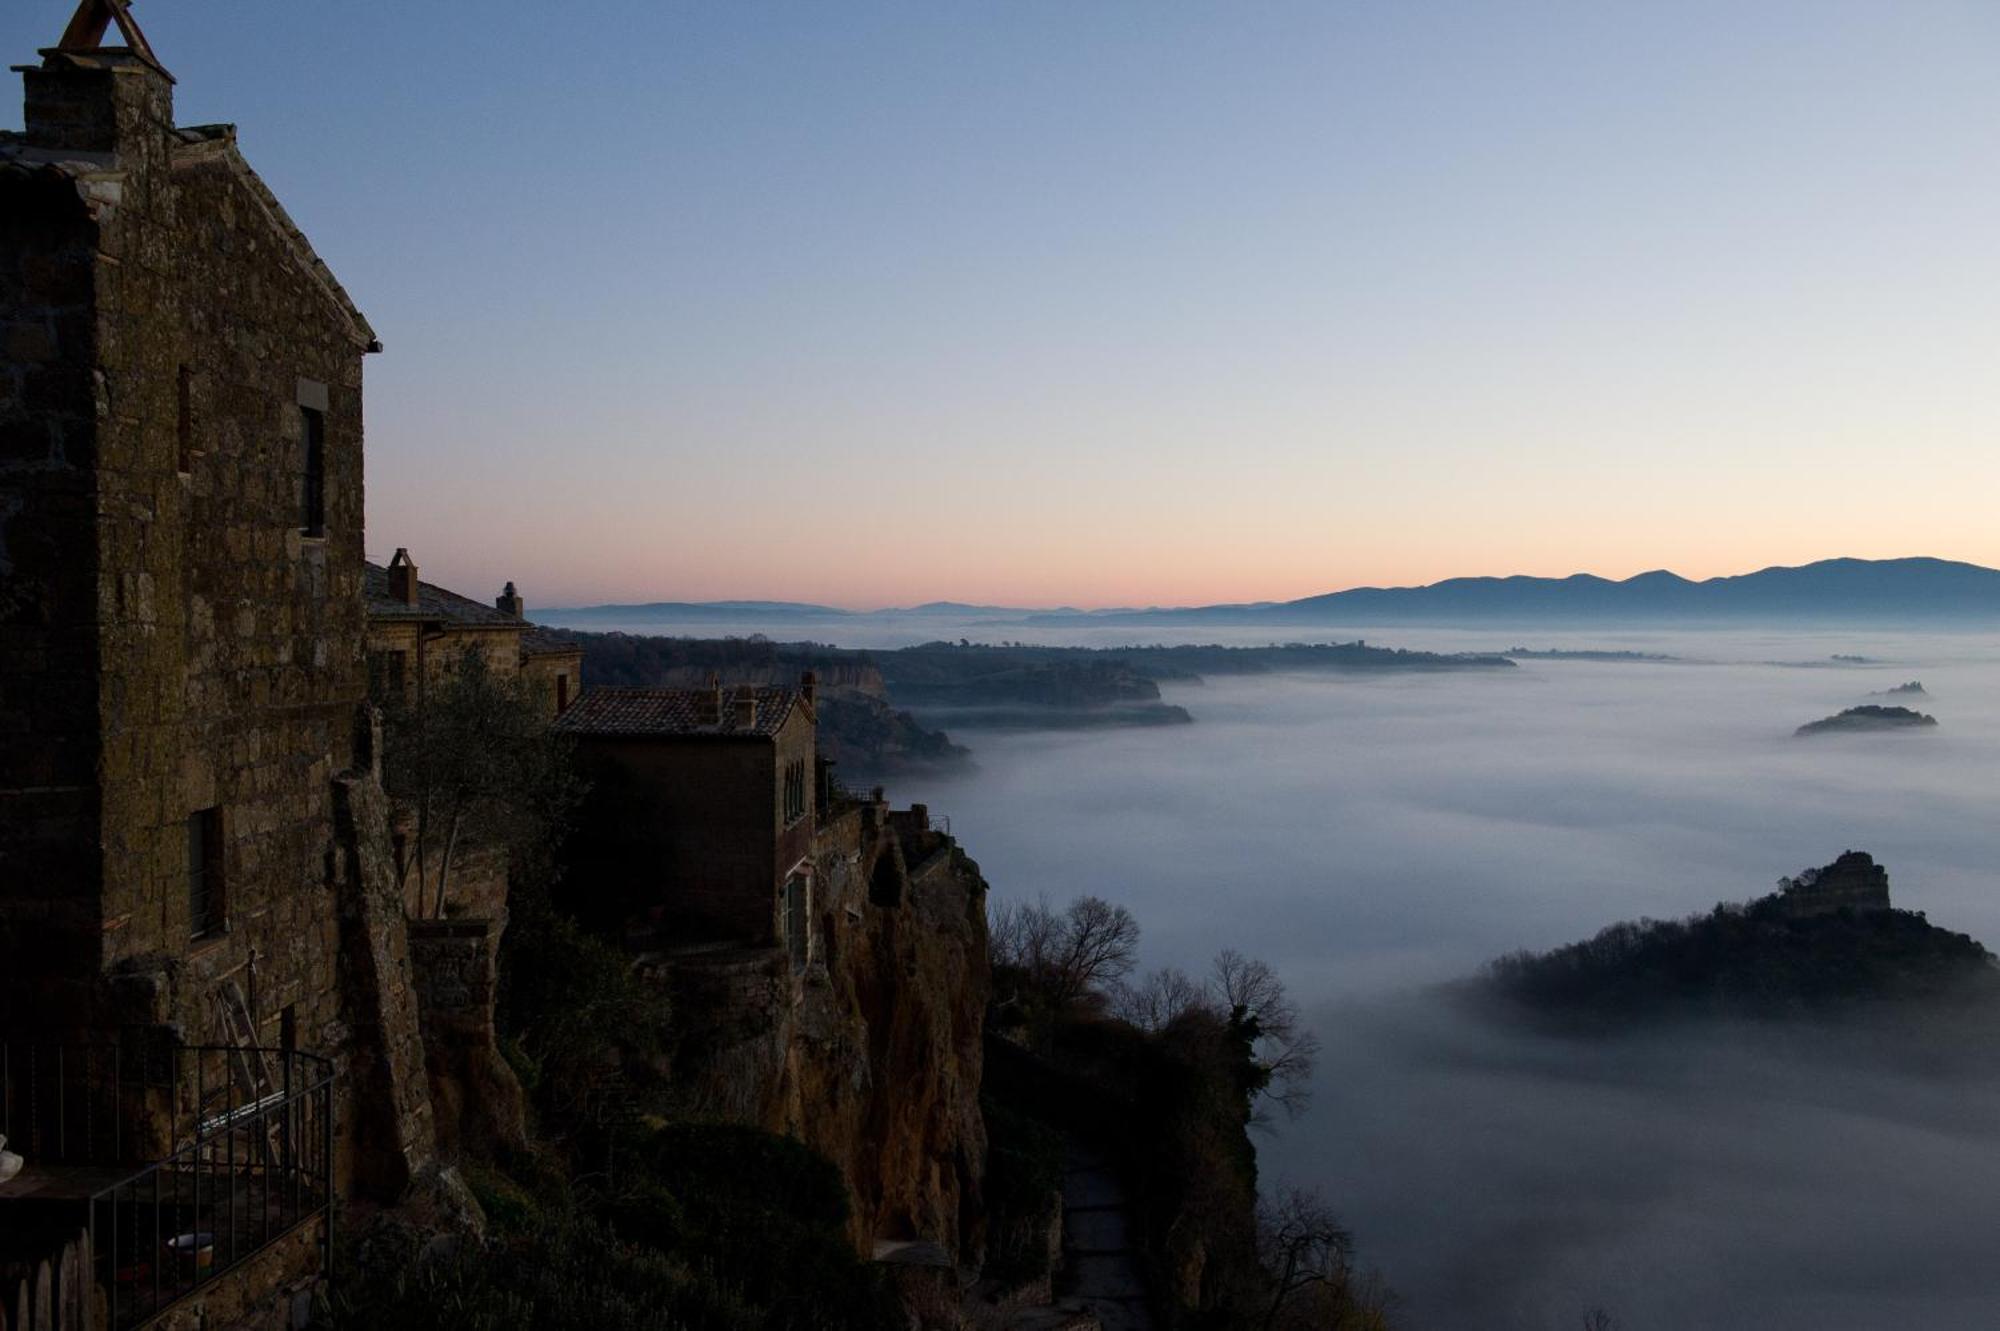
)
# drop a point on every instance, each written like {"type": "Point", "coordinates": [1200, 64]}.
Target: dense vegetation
{"type": "Point", "coordinates": [1868, 716]}
{"type": "Point", "coordinates": [1755, 960]}
{"type": "Point", "coordinates": [1164, 1077]}
{"type": "Point", "coordinates": [699, 1227]}
{"type": "Point", "coordinates": [618, 1215]}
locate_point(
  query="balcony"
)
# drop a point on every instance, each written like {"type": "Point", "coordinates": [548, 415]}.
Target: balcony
{"type": "Point", "coordinates": [159, 1171]}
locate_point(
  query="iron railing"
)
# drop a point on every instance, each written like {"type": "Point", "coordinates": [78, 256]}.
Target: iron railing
{"type": "Point", "coordinates": [190, 1159]}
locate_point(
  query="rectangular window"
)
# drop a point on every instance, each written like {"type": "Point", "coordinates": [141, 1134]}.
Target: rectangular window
{"type": "Point", "coordinates": [312, 511]}
{"type": "Point", "coordinates": [207, 901]}
{"type": "Point", "coordinates": [798, 909]}
{"type": "Point", "coordinates": [184, 416]}
{"type": "Point", "coordinates": [385, 677]}
{"type": "Point", "coordinates": [562, 693]}
{"type": "Point", "coordinates": [794, 791]}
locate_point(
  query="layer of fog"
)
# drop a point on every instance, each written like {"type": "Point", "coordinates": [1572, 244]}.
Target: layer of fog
{"type": "Point", "coordinates": [1702, 1177]}
{"type": "Point", "coordinates": [1370, 834]}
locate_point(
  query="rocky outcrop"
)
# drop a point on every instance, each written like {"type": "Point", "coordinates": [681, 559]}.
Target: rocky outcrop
{"type": "Point", "coordinates": [1852, 882]}
{"type": "Point", "coordinates": [870, 1051]}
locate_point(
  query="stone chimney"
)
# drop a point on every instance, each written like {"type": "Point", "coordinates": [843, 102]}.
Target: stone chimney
{"type": "Point", "coordinates": [746, 707]}
{"type": "Point", "coordinates": [509, 602]}
{"type": "Point", "coordinates": [403, 578]}
{"type": "Point", "coordinates": [87, 97]}
{"type": "Point", "coordinates": [708, 706]}
{"type": "Point", "coordinates": [809, 686]}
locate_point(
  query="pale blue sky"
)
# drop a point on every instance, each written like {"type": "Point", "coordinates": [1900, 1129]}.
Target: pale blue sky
{"type": "Point", "coordinates": [1106, 302]}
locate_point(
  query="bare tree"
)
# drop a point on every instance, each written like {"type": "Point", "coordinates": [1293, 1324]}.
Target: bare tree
{"type": "Point", "coordinates": [1023, 934]}
{"type": "Point", "coordinates": [1159, 999]}
{"type": "Point", "coordinates": [1596, 1319]}
{"type": "Point", "coordinates": [1250, 993]}
{"type": "Point", "coordinates": [1097, 945]}
{"type": "Point", "coordinates": [1302, 1246]}
{"type": "Point", "coordinates": [1082, 951]}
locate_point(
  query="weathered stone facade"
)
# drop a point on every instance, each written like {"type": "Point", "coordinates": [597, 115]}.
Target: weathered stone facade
{"type": "Point", "coordinates": [193, 837]}
{"type": "Point", "coordinates": [175, 638]}
{"type": "Point", "coordinates": [418, 631]}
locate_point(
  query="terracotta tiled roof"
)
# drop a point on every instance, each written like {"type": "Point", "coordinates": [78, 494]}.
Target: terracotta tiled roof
{"type": "Point", "coordinates": [547, 642]}
{"type": "Point", "coordinates": [433, 602]}
{"type": "Point", "coordinates": [602, 711]}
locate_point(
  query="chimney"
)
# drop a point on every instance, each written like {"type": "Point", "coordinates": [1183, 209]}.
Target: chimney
{"type": "Point", "coordinates": [509, 602]}
{"type": "Point", "coordinates": [88, 97]}
{"type": "Point", "coordinates": [708, 706]}
{"type": "Point", "coordinates": [809, 686]}
{"type": "Point", "coordinates": [746, 707]}
{"type": "Point", "coordinates": [403, 578]}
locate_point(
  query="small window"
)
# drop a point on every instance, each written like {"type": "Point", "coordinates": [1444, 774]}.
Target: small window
{"type": "Point", "coordinates": [312, 514]}
{"type": "Point", "coordinates": [794, 792]}
{"type": "Point", "coordinates": [207, 901]}
{"type": "Point", "coordinates": [184, 416]}
{"type": "Point", "coordinates": [386, 676]}
{"type": "Point", "coordinates": [562, 693]}
{"type": "Point", "coordinates": [798, 910]}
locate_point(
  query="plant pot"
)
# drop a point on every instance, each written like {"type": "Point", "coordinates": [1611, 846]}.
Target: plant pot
{"type": "Point", "coordinates": [193, 1251]}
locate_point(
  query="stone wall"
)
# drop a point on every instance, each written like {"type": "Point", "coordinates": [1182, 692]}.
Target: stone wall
{"type": "Point", "coordinates": [685, 836]}
{"type": "Point", "coordinates": [557, 678]}
{"type": "Point", "coordinates": [476, 1101]}
{"type": "Point", "coordinates": [176, 633]}
{"type": "Point", "coordinates": [872, 1056]}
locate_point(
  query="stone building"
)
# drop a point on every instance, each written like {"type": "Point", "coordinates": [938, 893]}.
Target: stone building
{"type": "Point", "coordinates": [417, 629]}
{"type": "Point", "coordinates": [701, 824]}
{"type": "Point", "coordinates": [200, 948]}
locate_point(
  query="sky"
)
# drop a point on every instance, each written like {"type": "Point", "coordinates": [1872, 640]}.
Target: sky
{"type": "Point", "coordinates": [1126, 304]}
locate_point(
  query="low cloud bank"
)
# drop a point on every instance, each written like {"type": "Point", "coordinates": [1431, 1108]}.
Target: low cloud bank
{"type": "Point", "coordinates": [1719, 1175]}
{"type": "Point", "coordinates": [1369, 835]}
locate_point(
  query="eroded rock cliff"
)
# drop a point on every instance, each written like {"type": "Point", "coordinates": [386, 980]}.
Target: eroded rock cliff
{"type": "Point", "coordinates": [869, 1048]}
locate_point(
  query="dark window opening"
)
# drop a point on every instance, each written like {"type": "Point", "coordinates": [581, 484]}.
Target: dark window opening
{"type": "Point", "coordinates": [207, 901]}
{"type": "Point", "coordinates": [386, 676]}
{"type": "Point", "coordinates": [562, 693]}
{"type": "Point", "coordinates": [795, 791]}
{"type": "Point", "coordinates": [798, 938]}
{"type": "Point", "coordinates": [312, 514]}
{"type": "Point", "coordinates": [184, 417]}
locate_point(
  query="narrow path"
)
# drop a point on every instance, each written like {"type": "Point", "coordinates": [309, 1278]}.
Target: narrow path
{"type": "Point", "coordinates": [1102, 1270]}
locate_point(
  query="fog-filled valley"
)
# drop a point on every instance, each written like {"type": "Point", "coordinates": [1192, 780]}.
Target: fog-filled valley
{"type": "Point", "coordinates": [1374, 834]}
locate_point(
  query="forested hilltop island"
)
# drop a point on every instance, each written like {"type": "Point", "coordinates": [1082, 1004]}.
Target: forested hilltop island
{"type": "Point", "coordinates": [1866, 718]}
{"type": "Point", "coordinates": [889, 711]}
{"type": "Point", "coordinates": [1827, 942]}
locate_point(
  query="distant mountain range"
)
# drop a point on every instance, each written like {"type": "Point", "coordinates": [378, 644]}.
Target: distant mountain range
{"type": "Point", "coordinates": [1831, 590]}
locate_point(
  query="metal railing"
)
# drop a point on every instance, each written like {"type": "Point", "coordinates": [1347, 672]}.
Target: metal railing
{"type": "Point", "coordinates": [233, 1148]}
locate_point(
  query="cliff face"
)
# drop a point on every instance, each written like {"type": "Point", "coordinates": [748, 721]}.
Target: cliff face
{"type": "Point", "coordinates": [870, 1053]}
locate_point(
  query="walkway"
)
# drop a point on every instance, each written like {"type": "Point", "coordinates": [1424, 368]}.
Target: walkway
{"type": "Point", "coordinates": [1102, 1267]}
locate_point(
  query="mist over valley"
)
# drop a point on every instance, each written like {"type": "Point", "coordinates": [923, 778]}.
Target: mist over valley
{"type": "Point", "coordinates": [1376, 834]}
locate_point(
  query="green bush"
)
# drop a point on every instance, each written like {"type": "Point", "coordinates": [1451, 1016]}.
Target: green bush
{"type": "Point", "coordinates": [711, 1228]}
